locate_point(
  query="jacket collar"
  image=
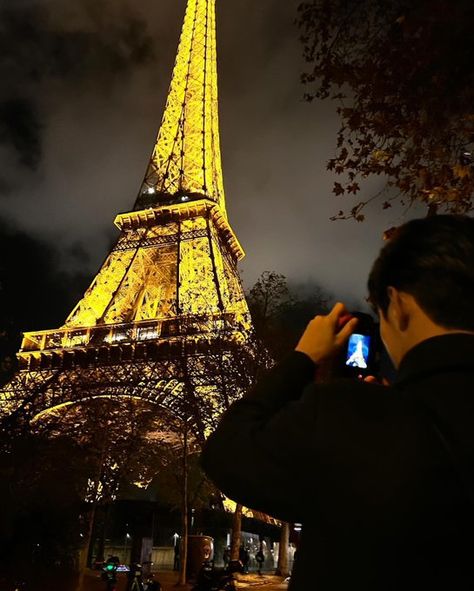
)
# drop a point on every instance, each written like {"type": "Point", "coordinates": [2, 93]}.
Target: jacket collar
{"type": "Point", "coordinates": [436, 355]}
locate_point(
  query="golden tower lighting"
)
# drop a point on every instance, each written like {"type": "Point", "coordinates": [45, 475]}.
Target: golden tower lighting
{"type": "Point", "coordinates": [169, 295]}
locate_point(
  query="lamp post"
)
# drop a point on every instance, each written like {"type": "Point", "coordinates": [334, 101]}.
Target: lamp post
{"type": "Point", "coordinates": [176, 550]}
{"type": "Point", "coordinates": [127, 538]}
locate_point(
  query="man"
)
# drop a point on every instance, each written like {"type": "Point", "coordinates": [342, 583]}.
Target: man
{"type": "Point", "coordinates": [380, 477]}
{"type": "Point", "coordinates": [260, 558]}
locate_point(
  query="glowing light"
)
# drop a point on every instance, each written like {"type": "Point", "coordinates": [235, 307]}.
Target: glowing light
{"type": "Point", "coordinates": [191, 159]}
{"type": "Point", "coordinates": [172, 273]}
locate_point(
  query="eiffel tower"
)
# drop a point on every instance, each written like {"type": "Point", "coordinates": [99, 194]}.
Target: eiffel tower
{"type": "Point", "coordinates": [169, 294]}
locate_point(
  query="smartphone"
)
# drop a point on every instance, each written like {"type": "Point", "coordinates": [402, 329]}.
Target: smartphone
{"type": "Point", "coordinates": [358, 352]}
{"type": "Point", "coordinates": [360, 355]}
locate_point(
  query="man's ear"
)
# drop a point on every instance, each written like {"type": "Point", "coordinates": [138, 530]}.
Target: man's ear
{"type": "Point", "coordinates": [399, 308]}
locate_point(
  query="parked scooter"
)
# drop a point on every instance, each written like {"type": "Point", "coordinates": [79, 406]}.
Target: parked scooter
{"type": "Point", "coordinates": [109, 575]}
{"type": "Point", "coordinates": [151, 584]}
{"type": "Point", "coordinates": [212, 579]}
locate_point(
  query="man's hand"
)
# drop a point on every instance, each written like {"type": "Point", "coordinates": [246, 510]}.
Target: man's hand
{"type": "Point", "coordinates": [374, 380]}
{"type": "Point", "coordinates": [324, 336]}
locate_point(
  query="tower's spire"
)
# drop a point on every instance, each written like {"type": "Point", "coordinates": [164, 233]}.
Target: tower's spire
{"type": "Point", "coordinates": [186, 160]}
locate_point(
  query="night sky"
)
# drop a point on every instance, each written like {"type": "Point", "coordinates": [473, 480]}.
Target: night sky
{"type": "Point", "coordinates": [82, 95]}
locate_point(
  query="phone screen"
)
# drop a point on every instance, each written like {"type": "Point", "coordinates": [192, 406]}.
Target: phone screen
{"type": "Point", "coordinates": [358, 350]}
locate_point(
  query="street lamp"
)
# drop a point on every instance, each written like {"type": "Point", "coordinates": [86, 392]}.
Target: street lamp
{"type": "Point", "coordinates": [127, 538]}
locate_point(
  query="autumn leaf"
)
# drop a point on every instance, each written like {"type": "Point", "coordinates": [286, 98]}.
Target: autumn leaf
{"type": "Point", "coordinates": [380, 156]}
{"type": "Point", "coordinates": [407, 80]}
{"type": "Point", "coordinates": [461, 171]}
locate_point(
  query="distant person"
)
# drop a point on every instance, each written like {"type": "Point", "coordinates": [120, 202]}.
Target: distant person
{"type": "Point", "coordinates": [177, 561]}
{"type": "Point", "coordinates": [109, 574]}
{"type": "Point", "coordinates": [226, 556]}
{"type": "Point", "coordinates": [260, 558]}
{"type": "Point", "coordinates": [244, 557]}
{"type": "Point", "coordinates": [295, 554]}
{"type": "Point", "coordinates": [380, 477]}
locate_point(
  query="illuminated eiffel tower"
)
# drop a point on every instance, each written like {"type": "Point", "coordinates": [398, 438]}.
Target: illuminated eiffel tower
{"type": "Point", "coordinates": [169, 293]}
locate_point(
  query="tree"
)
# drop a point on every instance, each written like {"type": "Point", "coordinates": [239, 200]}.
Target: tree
{"type": "Point", "coordinates": [280, 313]}
{"type": "Point", "coordinates": [42, 487]}
{"type": "Point", "coordinates": [283, 562]}
{"type": "Point", "coordinates": [404, 75]}
{"type": "Point", "coordinates": [129, 444]}
{"type": "Point", "coordinates": [231, 368]}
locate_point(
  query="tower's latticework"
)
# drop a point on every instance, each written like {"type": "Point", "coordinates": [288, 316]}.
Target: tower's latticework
{"type": "Point", "coordinates": [168, 296]}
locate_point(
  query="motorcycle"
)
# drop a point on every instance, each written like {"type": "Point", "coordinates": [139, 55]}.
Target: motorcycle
{"type": "Point", "coordinates": [151, 584]}
{"type": "Point", "coordinates": [109, 575]}
{"type": "Point", "coordinates": [212, 579]}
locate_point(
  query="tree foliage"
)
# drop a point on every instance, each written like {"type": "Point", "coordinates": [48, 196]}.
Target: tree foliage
{"type": "Point", "coordinates": [404, 75]}
{"type": "Point", "coordinates": [280, 312]}
{"type": "Point", "coordinates": [129, 444]}
{"type": "Point", "coordinates": [42, 485]}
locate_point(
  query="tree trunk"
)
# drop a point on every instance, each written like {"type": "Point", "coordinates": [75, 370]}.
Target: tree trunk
{"type": "Point", "coordinates": [283, 563]}
{"type": "Point", "coordinates": [101, 532]}
{"type": "Point", "coordinates": [86, 550]}
{"type": "Point", "coordinates": [184, 516]}
{"type": "Point", "coordinates": [236, 533]}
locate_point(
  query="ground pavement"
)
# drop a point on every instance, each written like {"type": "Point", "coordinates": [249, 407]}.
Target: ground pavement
{"type": "Point", "coordinates": [168, 580]}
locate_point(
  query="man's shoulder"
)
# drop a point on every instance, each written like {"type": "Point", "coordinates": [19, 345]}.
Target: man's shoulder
{"type": "Point", "coordinates": [362, 426]}
{"type": "Point", "coordinates": [352, 392]}
{"type": "Point", "coordinates": [357, 402]}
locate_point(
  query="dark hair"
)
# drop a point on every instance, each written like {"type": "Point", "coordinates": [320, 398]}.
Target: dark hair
{"type": "Point", "coordinates": [432, 259]}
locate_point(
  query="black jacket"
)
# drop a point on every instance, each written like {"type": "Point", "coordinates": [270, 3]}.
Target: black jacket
{"type": "Point", "coordinates": [379, 477]}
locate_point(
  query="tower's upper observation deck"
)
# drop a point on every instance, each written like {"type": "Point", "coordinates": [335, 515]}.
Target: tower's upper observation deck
{"type": "Point", "coordinates": [186, 160]}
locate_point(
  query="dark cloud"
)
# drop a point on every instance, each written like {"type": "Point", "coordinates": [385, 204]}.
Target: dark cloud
{"type": "Point", "coordinates": [39, 46]}
{"type": "Point", "coordinates": [98, 85]}
{"type": "Point", "coordinates": [20, 128]}
{"type": "Point", "coordinates": [5, 187]}
{"type": "Point", "coordinates": [35, 288]}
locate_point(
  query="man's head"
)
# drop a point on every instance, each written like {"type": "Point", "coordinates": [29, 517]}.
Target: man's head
{"type": "Point", "coordinates": [422, 283]}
